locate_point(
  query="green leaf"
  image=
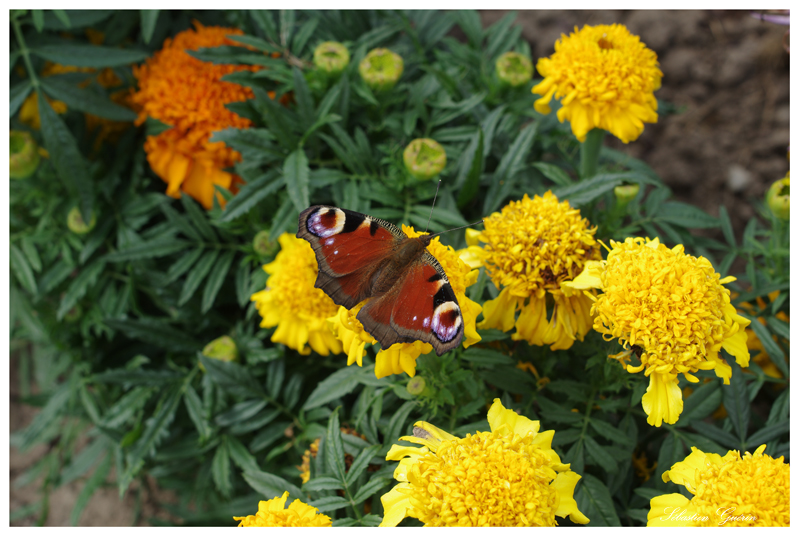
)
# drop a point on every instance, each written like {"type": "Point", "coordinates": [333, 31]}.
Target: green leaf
{"type": "Point", "coordinates": [487, 357]}
{"type": "Point", "coordinates": [71, 19]}
{"type": "Point", "coordinates": [609, 432]}
{"type": "Point", "coordinates": [286, 18]}
{"type": "Point", "coordinates": [507, 378]}
{"type": "Point", "coordinates": [242, 283]}
{"type": "Point", "coordinates": [302, 36]}
{"type": "Point", "coordinates": [329, 503]}
{"type": "Point", "coordinates": [451, 112]}
{"type": "Point", "coordinates": [255, 42]}
{"type": "Point", "coordinates": [594, 501]}
{"type": "Point", "coordinates": [240, 456]}
{"type": "Point", "coordinates": [158, 247]}
{"type": "Point", "coordinates": [147, 21]}
{"type": "Point", "coordinates": [67, 160]}
{"type": "Point", "coordinates": [305, 105]}
{"type": "Point", "coordinates": [770, 432]}
{"type": "Point", "coordinates": [221, 469]}
{"type": "Point", "coordinates": [337, 385]}
{"type": "Point", "coordinates": [704, 400]}
{"type": "Point", "coordinates": [285, 218]}
{"type": "Point", "coordinates": [781, 328]}
{"type": "Point", "coordinates": [600, 455]}
{"type": "Point", "coordinates": [270, 486]}
{"type": "Point", "coordinates": [85, 100]}
{"type": "Point", "coordinates": [97, 480]}
{"type": "Point", "coordinates": [780, 409]}
{"type": "Point", "coordinates": [56, 405]}
{"type": "Point", "coordinates": [773, 349]}
{"type": "Point", "coordinates": [18, 94]}
{"type": "Point", "coordinates": [198, 219]}
{"type": "Point", "coordinates": [79, 286]}
{"type": "Point", "coordinates": [194, 407]}
{"type": "Point", "coordinates": [240, 412]}
{"type": "Point", "coordinates": [22, 270]}
{"type": "Point", "coordinates": [470, 169]}
{"type": "Point", "coordinates": [183, 264]}
{"type": "Point", "coordinates": [398, 421]}
{"type": "Point", "coordinates": [295, 176]}
{"type": "Point", "coordinates": [334, 450]}
{"type": "Point", "coordinates": [511, 163]}
{"type": "Point", "coordinates": [276, 373]}
{"type": "Point", "coordinates": [89, 55]}
{"type": "Point", "coordinates": [264, 20]}
{"type": "Point", "coordinates": [129, 404]}
{"type": "Point", "coordinates": [251, 194]}
{"type": "Point", "coordinates": [371, 487]}
{"type": "Point", "coordinates": [554, 173]}
{"type": "Point", "coordinates": [215, 280]}
{"type": "Point", "coordinates": [737, 402]}
{"type": "Point", "coordinates": [156, 331]}
{"type": "Point", "coordinates": [83, 462]}
{"type": "Point", "coordinates": [232, 378]}
{"type": "Point", "coordinates": [323, 483]}
{"type": "Point", "coordinates": [196, 276]}
{"type": "Point", "coordinates": [360, 463]}
{"type": "Point", "coordinates": [727, 228]}
{"type": "Point", "coordinates": [95, 238]}
{"type": "Point", "coordinates": [681, 214]}
{"type": "Point", "coordinates": [585, 192]}
{"type": "Point", "coordinates": [38, 19]}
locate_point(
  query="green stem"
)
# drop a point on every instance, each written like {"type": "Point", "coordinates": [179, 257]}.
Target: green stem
{"type": "Point", "coordinates": [590, 152]}
{"type": "Point", "coordinates": [26, 56]}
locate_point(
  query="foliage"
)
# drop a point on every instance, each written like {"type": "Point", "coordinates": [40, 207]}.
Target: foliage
{"type": "Point", "coordinates": [110, 325]}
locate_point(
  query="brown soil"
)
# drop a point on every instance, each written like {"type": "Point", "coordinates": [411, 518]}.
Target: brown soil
{"type": "Point", "coordinates": [726, 71]}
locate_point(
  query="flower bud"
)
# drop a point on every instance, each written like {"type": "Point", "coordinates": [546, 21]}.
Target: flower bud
{"type": "Point", "coordinates": [73, 314]}
{"type": "Point", "coordinates": [778, 198]}
{"type": "Point", "coordinates": [223, 348]}
{"type": "Point", "coordinates": [381, 69]}
{"type": "Point", "coordinates": [513, 69]}
{"type": "Point", "coordinates": [416, 385]}
{"type": "Point", "coordinates": [424, 158]}
{"type": "Point", "coordinates": [24, 157]}
{"type": "Point", "coordinates": [76, 224]}
{"type": "Point", "coordinates": [331, 57]}
{"type": "Point", "coordinates": [626, 193]}
{"type": "Point", "coordinates": [263, 246]}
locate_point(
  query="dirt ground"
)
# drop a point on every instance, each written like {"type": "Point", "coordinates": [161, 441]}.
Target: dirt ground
{"type": "Point", "coordinates": [726, 72]}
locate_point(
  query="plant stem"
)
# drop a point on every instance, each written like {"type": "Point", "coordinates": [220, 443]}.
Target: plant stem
{"type": "Point", "coordinates": [590, 151]}
{"type": "Point", "coordinates": [26, 56]}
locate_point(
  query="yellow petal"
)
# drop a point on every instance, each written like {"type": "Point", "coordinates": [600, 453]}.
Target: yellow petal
{"type": "Point", "coordinates": [565, 483]}
{"type": "Point", "coordinates": [663, 400]}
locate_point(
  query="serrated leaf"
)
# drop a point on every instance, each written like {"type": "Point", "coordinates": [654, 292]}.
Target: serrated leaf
{"type": "Point", "coordinates": [713, 432]}
{"type": "Point", "coordinates": [215, 280]}
{"type": "Point", "coordinates": [86, 100]}
{"type": "Point", "coordinates": [96, 56]}
{"type": "Point", "coordinates": [157, 331]}
{"type": "Point", "coordinates": [511, 163]}
{"type": "Point", "coordinates": [158, 247]}
{"type": "Point", "coordinates": [183, 264]}
{"type": "Point", "coordinates": [360, 463]}
{"type": "Point", "coordinates": [770, 346]}
{"type": "Point", "coordinates": [265, 22]}
{"type": "Point", "coordinates": [194, 407]}
{"type": "Point", "coordinates": [60, 19]}
{"type": "Point", "coordinates": [240, 412]}
{"type": "Point", "coordinates": [554, 173]}
{"type": "Point", "coordinates": [302, 36]}
{"type": "Point", "coordinates": [240, 456]}
{"type": "Point", "coordinates": [79, 286]}
{"type": "Point", "coordinates": [705, 400]}
{"type": "Point", "coordinates": [147, 21]}
{"type": "Point", "coordinates": [270, 486]}
{"type": "Point", "coordinates": [485, 356]}
{"type": "Point", "coordinates": [22, 270]}
{"type": "Point", "coordinates": [221, 469]}
{"type": "Point", "coordinates": [95, 239]}
{"type": "Point", "coordinates": [727, 228]}
{"type": "Point", "coordinates": [371, 487]}
{"type": "Point", "coordinates": [323, 483]}
{"type": "Point", "coordinates": [470, 169]}
{"type": "Point", "coordinates": [594, 501]}
{"type": "Point", "coordinates": [198, 218]}
{"type": "Point", "coordinates": [83, 462]}
{"type": "Point", "coordinates": [296, 178]}
{"type": "Point", "coordinates": [232, 378]}
{"type": "Point", "coordinates": [609, 432]}
{"type": "Point", "coordinates": [585, 192]}
{"type": "Point", "coordinates": [18, 94]}
{"type": "Point", "coordinates": [251, 194]}
{"type": "Point", "coordinates": [337, 385]}
{"type": "Point", "coordinates": [329, 503]}
{"type": "Point", "coordinates": [38, 19]}
{"type": "Point", "coordinates": [737, 402]}
{"type": "Point", "coordinates": [768, 433]}
{"type": "Point", "coordinates": [397, 423]}
{"type": "Point", "coordinates": [682, 214]}
{"type": "Point", "coordinates": [197, 275]}
{"type": "Point", "coordinates": [136, 377]}
{"type": "Point", "coordinates": [334, 449]}
{"type": "Point", "coordinates": [97, 480]}
{"type": "Point", "coordinates": [600, 455]}
{"type": "Point", "coordinates": [276, 372]}
{"type": "Point", "coordinates": [67, 160]}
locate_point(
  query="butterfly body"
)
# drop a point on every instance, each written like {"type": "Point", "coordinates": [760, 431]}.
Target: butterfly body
{"type": "Point", "coordinates": [363, 257]}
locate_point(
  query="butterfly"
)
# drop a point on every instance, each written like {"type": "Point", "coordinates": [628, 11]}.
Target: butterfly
{"type": "Point", "coordinates": [362, 257]}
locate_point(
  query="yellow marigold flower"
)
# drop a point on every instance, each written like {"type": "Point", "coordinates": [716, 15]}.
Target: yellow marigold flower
{"type": "Point", "coordinates": [507, 477]}
{"type": "Point", "coordinates": [273, 513]}
{"type": "Point", "coordinates": [402, 357]}
{"type": "Point", "coordinates": [605, 78]}
{"type": "Point", "coordinates": [672, 311]}
{"type": "Point", "coordinates": [292, 303]}
{"type": "Point", "coordinates": [532, 246]}
{"type": "Point", "coordinates": [187, 94]}
{"type": "Point", "coordinates": [727, 491]}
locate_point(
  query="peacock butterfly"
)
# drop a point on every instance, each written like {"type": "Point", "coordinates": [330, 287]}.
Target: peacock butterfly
{"type": "Point", "coordinates": [362, 257]}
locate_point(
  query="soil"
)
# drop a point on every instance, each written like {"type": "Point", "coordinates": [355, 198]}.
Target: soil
{"type": "Point", "coordinates": [727, 74]}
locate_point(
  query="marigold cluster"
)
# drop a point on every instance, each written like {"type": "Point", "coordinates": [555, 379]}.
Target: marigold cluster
{"type": "Point", "coordinates": [273, 513]}
{"type": "Point", "coordinates": [507, 477]}
{"type": "Point", "coordinates": [532, 245]}
{"type": "Point", "coordinates": [188, 95]}
{"type": "Point", "coordinates": [605, 78]}
{"type": "Point", "coordinates": [729, 491]}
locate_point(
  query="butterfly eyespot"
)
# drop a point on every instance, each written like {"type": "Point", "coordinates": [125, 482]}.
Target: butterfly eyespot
{"type": "Point", "coordinates": [326, 222]}
{"type": "Point", "coordinates": [446, 321]}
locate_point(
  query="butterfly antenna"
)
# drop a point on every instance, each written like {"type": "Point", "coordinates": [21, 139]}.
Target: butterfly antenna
{"type": "Point", "coordinates": [457, 228]}
{"type": "Point", "coordinates": [432, 204]}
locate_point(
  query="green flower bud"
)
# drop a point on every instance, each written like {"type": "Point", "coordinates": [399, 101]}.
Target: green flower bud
{"type": "Point", "coordinates": [416, 385]}
{"type": "Point", "coordinates": [331, 57]}
{"type": "Point", "coordinates": [513, 69]}
{"type": "Point", "coordinates": [778, 198]}
{"type": "Point", "coordinates": [424, 158]}
{"type": "Point", "coordinates": [76, 224]}
{"type": "Point", "coordinates": [73, 314]}
{"type": "Point", "coordinates": [381, 69]}
{"type": "Point", "coordinates": [263, 246]}
{"type": "Point", "coordinates": [223, 348]}
{"type": "Point", "coordinates": [24, 157]}
{"type": "Point", "coordinates": [626, 193]}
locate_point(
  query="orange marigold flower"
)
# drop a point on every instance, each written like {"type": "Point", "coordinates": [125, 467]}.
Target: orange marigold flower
{"type": "Point", "coordinates": [189, 95]}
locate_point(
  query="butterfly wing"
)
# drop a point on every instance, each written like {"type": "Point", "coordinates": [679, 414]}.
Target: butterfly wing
{"type": "Point", "coordinates": [349, 246]}
{"type": "Point", "coordinates": [421, 306]}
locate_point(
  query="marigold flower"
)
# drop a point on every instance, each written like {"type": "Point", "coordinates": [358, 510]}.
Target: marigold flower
{"type": "Point", "coordinates": [507, 477]}
{"type": "Point", "coordinates": [292, 303]}
{"type": "Point", "coordinates": [727, 491]}
{"type": "Point", "coordinates": [189, 95]}
{"type": "Point", "coordinates": [605, 78]}
{"type": "Point", "coordinates": [671, 310]}
{"type": "Point", "coordinates": [402, 357]}
{"type": "Point", "coordinates": [424, 158]}
{"type": "Point", "coordinates": [514, 69]}
{"type": "Point", "coordinates": [381, 69]}
{"type": "Point", "coordinates": [532, 246]}
{"type": "Point", "coordinates": [273, 513]}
